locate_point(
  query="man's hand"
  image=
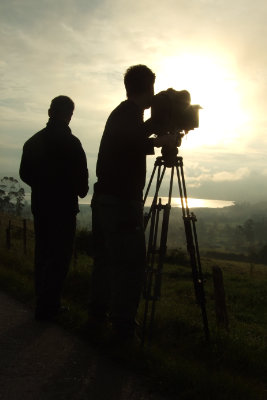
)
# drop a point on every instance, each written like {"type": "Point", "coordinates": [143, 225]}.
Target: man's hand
{"type": "Point", "coordinates": [152, 127]}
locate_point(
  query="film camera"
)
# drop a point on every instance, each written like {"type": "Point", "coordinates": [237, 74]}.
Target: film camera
{"type": "Point", "coordinates": [172, 113]}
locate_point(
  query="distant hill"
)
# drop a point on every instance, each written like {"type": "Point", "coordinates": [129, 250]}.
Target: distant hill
{"type": "Point", "coordinates": [234, 229]}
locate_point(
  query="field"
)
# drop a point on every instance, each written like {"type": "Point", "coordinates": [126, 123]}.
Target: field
{"type": "Point", "coordinates": [178, 360]}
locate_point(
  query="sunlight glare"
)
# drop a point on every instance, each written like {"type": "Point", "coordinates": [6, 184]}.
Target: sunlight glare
{"type": "Point", "coordinates": [213, 84]}
{"type": "Point", "coordinates": [192, 203]}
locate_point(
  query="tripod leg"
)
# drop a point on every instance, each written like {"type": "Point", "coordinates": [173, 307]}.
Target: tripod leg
{"type": "Point", "coordinates": [162, 253]}
{"type": "Point", "coordinates": [150, 182]}
{"type": "Point", "coordinates": [151, 248]}
{"type": "Point", "coordinates": [154, 202]}
{"type": "Point", "coordinates": [158, 271]}
{"type": "Point", "coordinates": [196, 272]}
{"type": "Point", "coordinates": [202, 297]}
{"type": "Point", "coordinates": [192, 248]}
{"type": "Point", "coordinates": [151, 252]}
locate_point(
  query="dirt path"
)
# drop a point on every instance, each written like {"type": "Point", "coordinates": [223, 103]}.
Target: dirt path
{"type": "Point", "coordinates": [41, 361]}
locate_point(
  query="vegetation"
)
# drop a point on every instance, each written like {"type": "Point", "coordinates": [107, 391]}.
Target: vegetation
{"type": "Point", "coordinates": [11, 196]}
{"type": "Point", "coordinates": [178, 360]}
{"type": "Point", "coordinates": [240, 230]}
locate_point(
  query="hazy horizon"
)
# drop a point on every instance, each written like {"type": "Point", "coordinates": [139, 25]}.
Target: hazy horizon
{"type": "Point", "coordinates": [175, 203]}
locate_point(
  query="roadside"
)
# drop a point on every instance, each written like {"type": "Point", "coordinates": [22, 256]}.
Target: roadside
{"type": "Point", "coordinates": [43, 361]}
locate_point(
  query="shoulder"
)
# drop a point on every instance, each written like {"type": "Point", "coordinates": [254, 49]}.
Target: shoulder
{"type": "Point", "coordinates": [125, 111]}
{"type": "Point", "coordinates": [74, 140]}
{"type": "Point", "coordinates": [73, 145]}
{"type": "Point", "coordinates": [35, 139]}
{"type": "Point", "coordinates": [125, 106]}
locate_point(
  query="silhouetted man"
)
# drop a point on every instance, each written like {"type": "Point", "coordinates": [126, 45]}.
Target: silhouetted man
{"type": "Point", "coordinates": [54, 165]}
{"type": "Point", "coordinates": [117, 206]}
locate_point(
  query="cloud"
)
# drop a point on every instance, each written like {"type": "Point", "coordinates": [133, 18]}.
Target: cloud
{"type": "Point", "coordinates": [82, 49]}
{"type": "Point", "coordinates": [237, 175]}
{"type": "Point", "coordinates": [219, 168]}
{"type": "Point", "coordinates": [222, 176]}
{"type": "Point", "coordinates": [10, 160]}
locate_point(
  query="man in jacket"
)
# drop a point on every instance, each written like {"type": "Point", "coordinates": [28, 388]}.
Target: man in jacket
{"type": "Point", "coordinates": [117, 206]}
{"type": "Point", "coordinates": [54, 165]}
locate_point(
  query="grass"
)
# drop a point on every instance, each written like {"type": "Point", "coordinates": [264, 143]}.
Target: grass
{"type": "Point", "coordinates": [178, 361]}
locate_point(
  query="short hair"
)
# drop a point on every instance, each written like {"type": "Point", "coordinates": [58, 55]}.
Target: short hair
{"type": "Point", "coordinates": [138, 79]}
{"type": "Point", "coordinates": [61, 105]}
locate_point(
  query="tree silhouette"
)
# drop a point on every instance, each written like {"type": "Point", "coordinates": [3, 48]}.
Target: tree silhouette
{"type": "Point", "coordinates": [12, 196]}
{"type": "Point", "coordinates": [247, 230]}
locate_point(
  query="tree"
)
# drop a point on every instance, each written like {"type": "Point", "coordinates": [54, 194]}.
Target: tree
{"type": "Point", "coordinates": [12, 196]}
{"type": "Point", "coordinates": [248, 231]}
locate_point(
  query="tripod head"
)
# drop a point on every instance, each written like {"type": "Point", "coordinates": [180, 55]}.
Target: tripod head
{"type": "Point", "coordinates": [170, 152]}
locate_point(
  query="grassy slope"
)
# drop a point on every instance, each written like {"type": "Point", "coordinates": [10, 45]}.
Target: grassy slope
{"type": "Point", "coordinates": [178, 360]}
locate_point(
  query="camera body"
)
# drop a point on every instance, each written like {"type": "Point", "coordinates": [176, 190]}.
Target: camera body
{"type": "Point", "coordinates": [172, 112]}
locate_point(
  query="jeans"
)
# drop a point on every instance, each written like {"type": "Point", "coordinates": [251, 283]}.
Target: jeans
{"type": "Point", "coordinates": [54, 237]}
{"type": "Point", "coordinates": [119, 258]}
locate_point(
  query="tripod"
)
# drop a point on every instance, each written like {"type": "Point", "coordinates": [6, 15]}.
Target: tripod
{"type": "Point", "coordinates": [152, 287]}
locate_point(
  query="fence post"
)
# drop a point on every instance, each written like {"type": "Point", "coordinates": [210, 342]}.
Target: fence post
{"type": "Point", "coordinates": [219, 297]}
{"type": "Point", "coordinates": [8, 235]}
{"type": "Point", "coordinates": [75, 254]}
{"type": "Point", "coordinates": [25, 236]}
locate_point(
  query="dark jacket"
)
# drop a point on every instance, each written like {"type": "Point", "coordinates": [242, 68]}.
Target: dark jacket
{"type": "Point", "coordinates": [54, 164]}
{"type": "Point", "coordinates": [121, 164]}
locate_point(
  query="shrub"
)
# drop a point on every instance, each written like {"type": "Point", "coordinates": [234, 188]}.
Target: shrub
{"type": "Point", "coordinates": [84, 242]}
{"type": "Point", "coordinates": [177, 256]}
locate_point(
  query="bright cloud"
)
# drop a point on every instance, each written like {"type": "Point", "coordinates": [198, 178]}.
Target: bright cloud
{"type": "Point", "coordinates": [222, 176]}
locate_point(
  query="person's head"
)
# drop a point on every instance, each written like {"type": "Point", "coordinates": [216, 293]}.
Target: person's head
{"type": "Point", "coordinates": [61, 108]}
{"type": "Point", "coordinates": [139, 84]}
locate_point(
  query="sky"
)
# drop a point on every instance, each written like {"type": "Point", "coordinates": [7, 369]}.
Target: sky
{"type": "Point", "coordinates": [215, 49]}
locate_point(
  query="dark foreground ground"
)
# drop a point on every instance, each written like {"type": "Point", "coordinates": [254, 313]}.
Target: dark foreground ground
{"type": "Point", "coordinates": [41, 361]}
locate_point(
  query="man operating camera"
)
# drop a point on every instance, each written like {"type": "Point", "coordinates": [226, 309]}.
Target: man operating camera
{"type": "Point", "coordinates": [117, 205]}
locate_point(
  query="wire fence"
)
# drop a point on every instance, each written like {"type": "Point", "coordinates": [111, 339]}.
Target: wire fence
{"type": "Point", "coordinates": [16, 233]}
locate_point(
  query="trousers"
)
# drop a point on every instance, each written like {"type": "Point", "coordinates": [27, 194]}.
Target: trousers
{"type": "Point", "coordinates": [54, 237]}
{"type": "Point", "coordinates": [119, 258]}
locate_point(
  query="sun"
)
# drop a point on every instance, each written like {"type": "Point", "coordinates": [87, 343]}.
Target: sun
{"type": "Point", "coordinates": [213, 84]}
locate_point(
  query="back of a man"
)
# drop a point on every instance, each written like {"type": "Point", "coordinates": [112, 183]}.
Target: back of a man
{"type": "Point", "coordinates": [54, 165]}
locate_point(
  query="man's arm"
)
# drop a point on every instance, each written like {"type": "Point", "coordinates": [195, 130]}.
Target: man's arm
{"type": "Point", "coordinates": [162, 139]}
{"type": "Point", "coordinates": [82, 174]}
{"type": "Point", "coordinates": [26, 170]}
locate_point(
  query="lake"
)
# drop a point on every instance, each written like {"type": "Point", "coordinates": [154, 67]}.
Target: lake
{"type": "Point", "coordinates": [195, 203]}
{"type": "Point", "coordinates": [176, 202]}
